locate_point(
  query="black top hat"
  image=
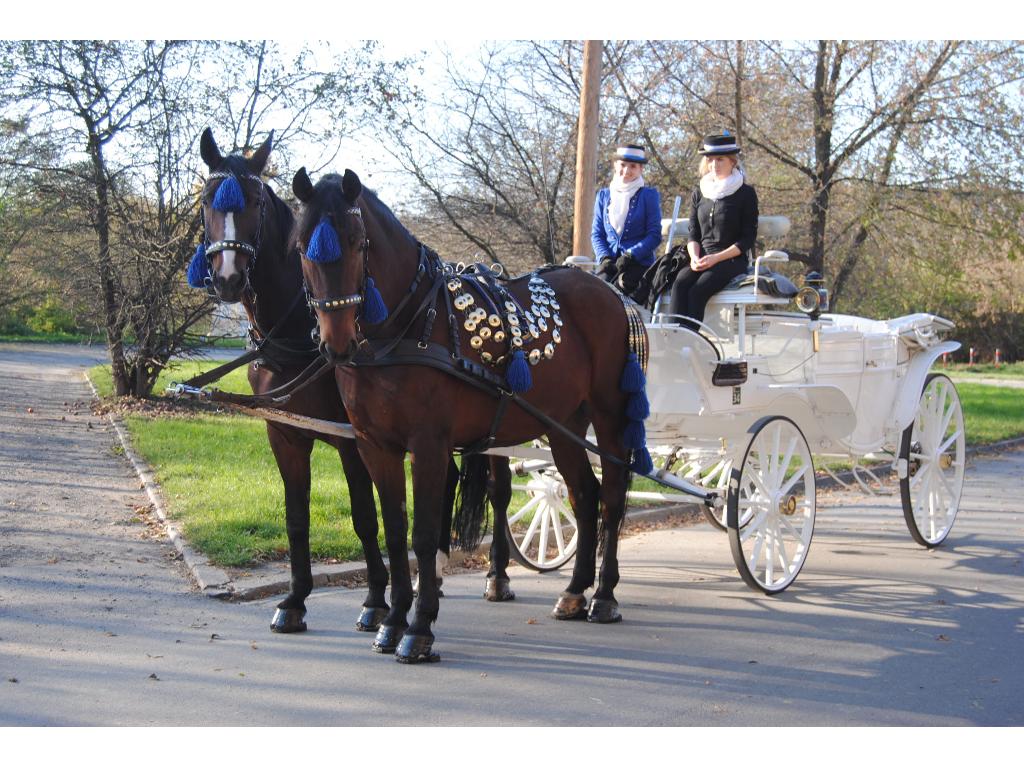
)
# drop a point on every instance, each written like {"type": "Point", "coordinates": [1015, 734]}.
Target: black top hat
{"type": "Point", "coordinates": [723, 143]}
{"type": "Point", "coordinates": [631, 153]}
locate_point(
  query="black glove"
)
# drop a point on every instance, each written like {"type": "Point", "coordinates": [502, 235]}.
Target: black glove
{"type": "Point", "coordinates": [630, 274]}
{"type": "Point", "coordinates": [607, 270]}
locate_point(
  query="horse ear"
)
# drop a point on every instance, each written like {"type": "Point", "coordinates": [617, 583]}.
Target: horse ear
{"type": "Point", "coordinates": [258, 161]}
{"type": "Point", "coordinates": [208, 150]}
{"type": "Point", "coordinates": [351, 186]}
{"type": "Point", "coordinates": [302, 186]}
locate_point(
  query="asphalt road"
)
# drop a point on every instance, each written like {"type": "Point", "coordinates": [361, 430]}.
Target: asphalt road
{"type": "Point", "coordinates": [100, 625]}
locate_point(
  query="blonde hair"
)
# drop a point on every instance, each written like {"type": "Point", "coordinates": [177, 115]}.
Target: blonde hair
{"type": "Point", "coordinates": [704, 168]}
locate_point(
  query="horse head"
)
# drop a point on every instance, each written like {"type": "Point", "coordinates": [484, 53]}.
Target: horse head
{"type": "Point", "coordinates": [233, 201]}
{"type": "Point", "coordinates": [331, 237]}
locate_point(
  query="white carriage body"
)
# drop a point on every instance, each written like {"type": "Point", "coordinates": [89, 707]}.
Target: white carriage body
{"type": "Point", "coordinates": [852, 396]}
{"type": "Point", "coordinates": [850, 383]}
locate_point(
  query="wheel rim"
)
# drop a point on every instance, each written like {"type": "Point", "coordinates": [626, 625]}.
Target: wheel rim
{"type": "Point", "coordinates": [935, 462]}
{"type": "Point", "coordinates": [771, 507]}
{"type": "Point", "coordinates": [544, 529]}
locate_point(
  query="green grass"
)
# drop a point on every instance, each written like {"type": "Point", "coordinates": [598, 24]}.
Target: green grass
{"type": "Point", "coordinates": [991, 413]}
{"type": "Point", "coordinates": [220, 480]}
{"type": "Point", "coordinates": [963, 372]}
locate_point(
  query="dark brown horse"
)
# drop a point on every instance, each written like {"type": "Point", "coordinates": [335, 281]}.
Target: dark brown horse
{"type": "Point", "coordinates": [411, 387]}
{"type": "Point", "coordinates": [246, 258]}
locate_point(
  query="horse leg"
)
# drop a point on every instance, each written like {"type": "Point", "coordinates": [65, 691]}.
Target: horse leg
{"type": "Point", "coordinates": [571, 461]}
{"type": "Point", "coordinates": [428, 479]}
{"type": "Point", "coordinates": [604, 609]}
{"type": "Point", "coordinates": [387, 469]}
{"type": "Point", "coordinates": [364, 522]}
{"type": "Point", "coordinates": [444, 536]}
{"type": "Point", "coordinates": [291, 450]}
{"type": "Point", "coordinates": [499, 490]}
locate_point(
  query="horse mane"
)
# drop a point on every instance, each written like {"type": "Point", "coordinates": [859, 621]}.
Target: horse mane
{"type": "Point", "coordinates": [385, 216]}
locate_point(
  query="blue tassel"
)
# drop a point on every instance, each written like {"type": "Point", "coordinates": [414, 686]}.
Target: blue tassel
{"type": "Point", "coordinates": [198, 268]}
{"type": "Point", "coordinates": [634, 436]}
{"type": "Point", "coordinates": [374, 309]}
{"type": "Point", "coordinates": [642, 464]}
{"type": "Point", "coordinates": [229, 197]}
{"type": "Point", "coordinates": [518, 375]}
{"type": "Point", "coordinates": [324, 245]}
{"type": "Point", "coordinates": [632, 379]}
{"type": "Point", "coordinates": [637, 407]}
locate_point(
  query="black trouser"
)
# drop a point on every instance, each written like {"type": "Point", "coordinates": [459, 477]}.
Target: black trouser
{"type": "Point", "coordinates": [691, 290]}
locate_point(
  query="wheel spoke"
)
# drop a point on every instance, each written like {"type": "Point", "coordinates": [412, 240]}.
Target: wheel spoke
{"type": "Point", "coordinates": [524, 509]}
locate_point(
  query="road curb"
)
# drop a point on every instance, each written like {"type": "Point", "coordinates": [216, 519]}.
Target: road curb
{"type": "Point", "coordinates": [213, 581]}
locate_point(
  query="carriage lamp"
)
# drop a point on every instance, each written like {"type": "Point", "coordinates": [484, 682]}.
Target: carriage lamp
{"type": "Point", "coordinates": [812, 298]}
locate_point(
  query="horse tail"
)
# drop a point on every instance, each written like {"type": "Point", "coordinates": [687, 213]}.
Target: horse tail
{"type": "Point", "coordinates": [633, 382]}
{"type": "Point", "coordinates": [469, 520]}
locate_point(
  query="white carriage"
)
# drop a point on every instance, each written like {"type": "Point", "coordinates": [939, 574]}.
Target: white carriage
{"type": "Point", "coordinates": [740, 410]}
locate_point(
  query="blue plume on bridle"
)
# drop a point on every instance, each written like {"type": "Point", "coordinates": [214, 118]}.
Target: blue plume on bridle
{"type": "Point", "coordinates": [323, 245]}
{"type": "Point", "coordinates": [374, 309]}
{"type": "Point", "coordinates": [198, 268]}
{"type": "Point", "coordinates": [229, 197]}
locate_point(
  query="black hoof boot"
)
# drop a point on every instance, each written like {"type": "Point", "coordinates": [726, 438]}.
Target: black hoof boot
{"type": "Point", "coordinates": [288, 620]}
{"type": "Point", "coordinates": [415, 649]}
{"type": "Point", "coordinates": [570, 606]}
{"type": "Point", "coordinates": [604, 611]}
{"type": "Point", "coordinates": [370, 618]}
{"type": "Point", "coordinates": [498, 590]}
{"type": "Point", "coordinates": [387, 638]}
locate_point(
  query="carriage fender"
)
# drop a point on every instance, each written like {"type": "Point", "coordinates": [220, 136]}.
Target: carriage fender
{"type": "Point", "coordinates": [831, 414]}
{"type": "Point", "coordinates": [905, 407]}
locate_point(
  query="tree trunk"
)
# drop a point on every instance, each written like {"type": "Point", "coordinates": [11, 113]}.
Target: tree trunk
{"type": "Point", "coordinates": [586, 149]}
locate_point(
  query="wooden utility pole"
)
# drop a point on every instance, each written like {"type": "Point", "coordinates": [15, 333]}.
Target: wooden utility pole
{"type": "Point", "coordinates": [586, 149]}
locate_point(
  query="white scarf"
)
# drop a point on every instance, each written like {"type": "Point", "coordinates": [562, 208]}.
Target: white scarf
{"type": "Point", "coordinates": [714, 188]}
{"type": "Point", "coordinates": [618, 204]}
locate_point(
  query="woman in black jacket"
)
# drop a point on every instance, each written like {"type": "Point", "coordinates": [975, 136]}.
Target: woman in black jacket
{"type": "Point", "coordinates": [723, 227]}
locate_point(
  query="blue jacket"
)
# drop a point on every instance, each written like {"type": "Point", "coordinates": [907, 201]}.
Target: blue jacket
{"type": "Point", "coordinates": [641, 233]}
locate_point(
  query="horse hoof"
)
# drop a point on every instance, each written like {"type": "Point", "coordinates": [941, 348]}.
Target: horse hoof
{"type": "Point", "coordinates": [288, 620]}
{"type": "Point", "coordinates": [570, 606]}
{"type": "Point", "coordinates": [414, 649]}
{"type": "Point", "coordinates": [387, 638]}
{"type": "Point", "coordinates": [604, 611]}
{"type": "Point", "coordinates": [498, 590]}
{"type": "Point", "coordinates": [370, 618]}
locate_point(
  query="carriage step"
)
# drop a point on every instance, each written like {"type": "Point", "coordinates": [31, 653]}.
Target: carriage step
{"type": "Point", "coordinates": [729, 374]}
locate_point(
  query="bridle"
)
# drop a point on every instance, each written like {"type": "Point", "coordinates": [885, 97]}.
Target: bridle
{"type": "Point", "coordinates": [250, 249]}
{"type": "Point", "coordinates": [337, 303]}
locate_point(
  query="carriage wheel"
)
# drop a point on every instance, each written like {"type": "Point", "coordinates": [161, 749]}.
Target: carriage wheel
{"type": "Point", "coordinates": [932, 462]}
{"type": "Point", "coordinates": [709, 471]}
{"type": "Point", "coordinates": [771, 504]}
{"type": "Point", "coordinates": [543, 532]}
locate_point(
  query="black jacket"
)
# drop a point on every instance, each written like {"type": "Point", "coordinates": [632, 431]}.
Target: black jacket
{"type": "Point", "coordinates": [732, 220]}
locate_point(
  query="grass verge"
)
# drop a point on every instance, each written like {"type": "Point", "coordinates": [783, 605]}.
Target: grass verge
{"type": "Point", "coordinates": [220, 480]}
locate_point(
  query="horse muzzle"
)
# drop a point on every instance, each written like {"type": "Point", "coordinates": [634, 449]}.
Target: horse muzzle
{"type": "Point", "coordinates": [333, 358]}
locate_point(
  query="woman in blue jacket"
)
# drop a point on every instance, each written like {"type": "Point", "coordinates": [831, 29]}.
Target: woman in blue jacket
{"type": "Point", "coordinates": [627, 221]}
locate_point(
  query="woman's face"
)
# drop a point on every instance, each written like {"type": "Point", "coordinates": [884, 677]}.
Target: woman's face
{"type": "Point", "coordinates": [626, 170]}
{"type": "Point", "coordinates": [721, 165]}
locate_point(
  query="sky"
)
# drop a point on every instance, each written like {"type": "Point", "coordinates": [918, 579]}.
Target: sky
{"type": "Point", "coordinates": [418, 21]}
